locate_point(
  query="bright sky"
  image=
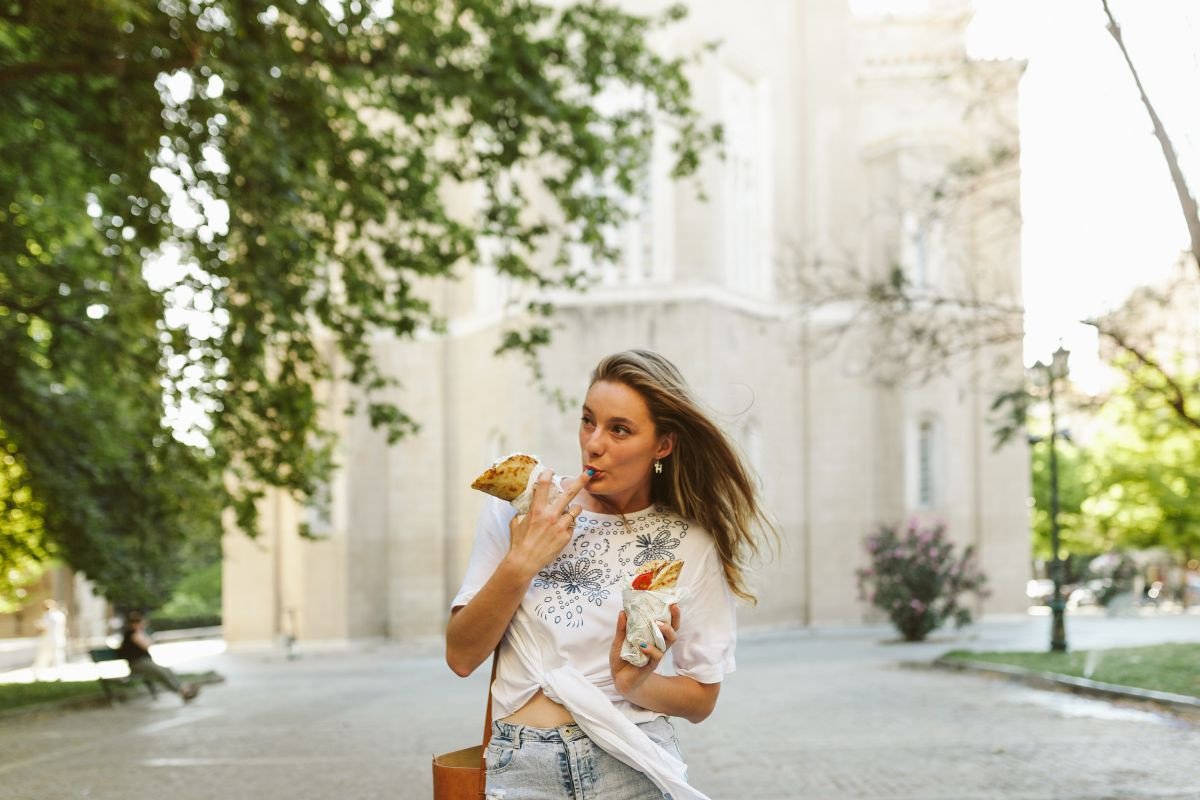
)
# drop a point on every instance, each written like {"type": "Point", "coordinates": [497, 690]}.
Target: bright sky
{"type": "Point", "coordinates": [1100, 212]}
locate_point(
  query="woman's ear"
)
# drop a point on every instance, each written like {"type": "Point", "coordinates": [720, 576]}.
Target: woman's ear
{"type": "Point", "coordinates": [666, 444]}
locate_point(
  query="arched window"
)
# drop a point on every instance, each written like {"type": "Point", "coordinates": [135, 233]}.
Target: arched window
{"type": "Point", "coordinates": [926, 468]}
{"type": "Point", "coordinates": [644, 242]}
{"type": "Point", "coordinates": [921, 249]}
{"type": "Point", "coordinates": [925, 463]}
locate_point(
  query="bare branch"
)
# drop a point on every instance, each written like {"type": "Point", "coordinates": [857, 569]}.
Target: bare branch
{"type": "Point", "coordinates": [1188, 203]}
{"type": "Point", "coordinates": [1175, 395]}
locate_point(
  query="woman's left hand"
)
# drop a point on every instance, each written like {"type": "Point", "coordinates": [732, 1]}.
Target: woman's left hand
{"type": "Point", "coordinates": [628, 678]}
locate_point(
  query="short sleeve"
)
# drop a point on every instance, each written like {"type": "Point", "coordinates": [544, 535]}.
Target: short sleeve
{"type": "Point", "coordinates": [704, 649]}
{"type": "Point", "coordinates": [489, 549]}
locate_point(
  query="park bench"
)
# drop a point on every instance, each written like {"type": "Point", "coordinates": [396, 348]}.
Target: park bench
{"type": "Point", "coordinates": [102, 654]}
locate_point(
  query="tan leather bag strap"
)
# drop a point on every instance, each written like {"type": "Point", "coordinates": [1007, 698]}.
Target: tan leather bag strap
{"type": "Point", "coordinates": [487, 725]}
{"type": "Point", "coordinates": [487, 716]}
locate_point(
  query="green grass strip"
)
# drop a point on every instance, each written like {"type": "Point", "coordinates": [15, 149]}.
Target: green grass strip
{"type": "Point", "coordinates": [1171, 668]}
{"type": "Point", "coordinates": [19, 695]}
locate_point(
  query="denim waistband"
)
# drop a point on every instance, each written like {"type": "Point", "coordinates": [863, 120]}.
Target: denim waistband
{"type": "Point", "coordinates": [516, 735]}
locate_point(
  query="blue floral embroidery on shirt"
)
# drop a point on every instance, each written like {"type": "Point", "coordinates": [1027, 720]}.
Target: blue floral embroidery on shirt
{"type": "Point", "coordinates": [573, 576]}
{"type": "Point", "coordinates": [656, 538]}
{"type": "Point", "coordinates": [585, 572]}
{"type": "Point", "coordinates": [656, 546]}
{"type": "Point", "coordinates": [578, 576]}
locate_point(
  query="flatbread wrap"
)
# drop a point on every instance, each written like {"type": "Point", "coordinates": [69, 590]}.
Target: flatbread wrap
{"type": "Point", "coordinates": [512, 479]}
{"type": "Point", "coordinates": [647, 599]}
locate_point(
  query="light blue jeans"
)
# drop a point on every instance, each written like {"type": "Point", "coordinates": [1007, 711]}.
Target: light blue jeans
{"type": "Point", "coordinates": [562, 763]}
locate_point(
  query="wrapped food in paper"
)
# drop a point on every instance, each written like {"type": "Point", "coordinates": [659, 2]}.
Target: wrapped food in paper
{"type": "Point", "coordinates": [648, 599]}
{"type": "Point", "coordinates": [512, 479]}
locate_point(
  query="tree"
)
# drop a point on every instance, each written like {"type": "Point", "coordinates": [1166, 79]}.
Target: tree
{"type": "Point", "coordinates": [1151, 336]}
{"type": "Point", "coordinates": [1147, 471]}
{"type": "Point", "coordinates": [24, 551]}
{"type": "Point", "coordinates": [1075, 472]}
{"type": "Point", "coordinates": [1143, 366]}
{"type": "Point", "coordinates": [198, 195]}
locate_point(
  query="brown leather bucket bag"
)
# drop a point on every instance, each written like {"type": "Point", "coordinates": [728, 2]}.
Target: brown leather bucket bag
{"type": "Point", "coordinates": [462, 774]}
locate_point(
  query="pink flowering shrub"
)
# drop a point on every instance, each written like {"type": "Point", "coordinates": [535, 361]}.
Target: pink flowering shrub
{"type": "Point", "coordinates": [916, 578]}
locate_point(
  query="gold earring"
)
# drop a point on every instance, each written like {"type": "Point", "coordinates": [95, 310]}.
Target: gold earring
{"type": "Point", "coordinates": [658, 468]}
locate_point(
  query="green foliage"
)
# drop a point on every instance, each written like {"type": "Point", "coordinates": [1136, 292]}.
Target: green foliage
{"type": "Point", "coordinates": [916, 579]}
{"type": "Point", "coordinates": [24, 551]}
{"type": "Point", "coordinates": [177, 622]}
{"type": "Point", "coordinates": [198, 595]}
{"type": "Point", "coordinates": [1076, 477]}
{"type": "Point", "coordinates": [19, 695]}
{"type": "Point", "coordinates": [1133, 485]}
{"type": "Point", "coordinates": [1147, 485]}
{"type": "Point", "coordinates": [214, 206]}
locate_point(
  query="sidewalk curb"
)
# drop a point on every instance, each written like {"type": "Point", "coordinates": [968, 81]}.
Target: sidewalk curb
{"type": "Point", "coordinates": [1178, 703]}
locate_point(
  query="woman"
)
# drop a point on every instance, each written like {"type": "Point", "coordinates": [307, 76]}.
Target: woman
{"type": "Point", "coordinates": [659, 481]}
{"type": "Point", "coordinates": [135, 648]}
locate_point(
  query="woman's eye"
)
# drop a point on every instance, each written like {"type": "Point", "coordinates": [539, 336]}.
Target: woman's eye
{"type": "Point", "coordinates": [621, 429]}
{"type": "Point", "coordinates": [586, 420]}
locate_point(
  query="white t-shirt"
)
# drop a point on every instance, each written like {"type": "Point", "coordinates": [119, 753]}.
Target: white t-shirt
{"type": "Point", "coordinates": [574, 601]}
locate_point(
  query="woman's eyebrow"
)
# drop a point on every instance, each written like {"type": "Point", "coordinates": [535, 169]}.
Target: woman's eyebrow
{"type": "Point", "coordinates": [611, 420]}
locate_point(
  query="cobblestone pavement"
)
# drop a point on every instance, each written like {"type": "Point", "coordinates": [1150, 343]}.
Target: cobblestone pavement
{"type": "Point", "coordinates": [809, 714]}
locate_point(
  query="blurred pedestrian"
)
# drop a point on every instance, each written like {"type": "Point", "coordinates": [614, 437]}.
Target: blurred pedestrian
{"type": "Point", "coordinates": [52, 642]}
{"type": "Point", "coordinates": [135, 648]}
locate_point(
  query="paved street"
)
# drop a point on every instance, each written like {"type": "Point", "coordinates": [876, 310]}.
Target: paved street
{"type": "Point", "coordinates": [809, 714]}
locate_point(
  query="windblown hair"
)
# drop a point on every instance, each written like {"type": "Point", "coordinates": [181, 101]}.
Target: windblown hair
{"type": "Point", "coordinates": [704, 479]}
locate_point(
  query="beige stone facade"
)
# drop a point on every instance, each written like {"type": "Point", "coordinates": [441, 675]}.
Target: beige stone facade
{"type": "Point", "coordinates": [87, 612]}
{"type": "Point", "coordinates": [833, 125]}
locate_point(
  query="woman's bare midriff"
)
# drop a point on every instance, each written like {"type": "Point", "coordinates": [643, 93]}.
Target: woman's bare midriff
{"type": "Point", "coordinates": [540, 712]}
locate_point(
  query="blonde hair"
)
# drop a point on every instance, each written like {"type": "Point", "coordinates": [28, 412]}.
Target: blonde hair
{"type": "Point", "coordinates": [704, 479]}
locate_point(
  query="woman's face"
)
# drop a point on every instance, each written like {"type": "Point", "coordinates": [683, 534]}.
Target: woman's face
{"type": "Point", "coordinates": [618, 440]}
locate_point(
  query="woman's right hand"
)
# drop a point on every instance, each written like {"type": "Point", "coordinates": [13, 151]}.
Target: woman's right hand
{"type": "Point", "coordinates": [539, 536]}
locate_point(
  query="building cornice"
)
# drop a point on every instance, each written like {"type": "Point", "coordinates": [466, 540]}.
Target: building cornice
{"type": "Point", "coordinates": [658, 294]}
{"type": "Point", "coordinates": [647, 294]}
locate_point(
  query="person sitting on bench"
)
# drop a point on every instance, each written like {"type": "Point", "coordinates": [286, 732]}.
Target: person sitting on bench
{"type": "Point", "coordinates": [135, 648]}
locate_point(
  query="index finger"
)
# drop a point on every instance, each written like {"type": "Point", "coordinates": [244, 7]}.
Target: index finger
{"type": "Point", "coordinates": [541, 488]}
{"type": "Point", "coordinates": [570, 489]}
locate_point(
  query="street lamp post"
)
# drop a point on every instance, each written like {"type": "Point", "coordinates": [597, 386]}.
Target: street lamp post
{"type": "Point", "coordinates": [1055, 371]}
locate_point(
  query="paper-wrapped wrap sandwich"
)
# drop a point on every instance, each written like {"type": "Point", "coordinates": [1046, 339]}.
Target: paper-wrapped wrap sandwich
{"type": "Point", "coordinates": [512, 478]}
{"type": "Point", "coordinates": [648, 599]}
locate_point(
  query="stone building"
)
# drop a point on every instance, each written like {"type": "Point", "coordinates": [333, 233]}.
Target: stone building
{"type": "Point", "coordinates": [87, 613]}
{"type": "Point", "coordinates": [836, 126]}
